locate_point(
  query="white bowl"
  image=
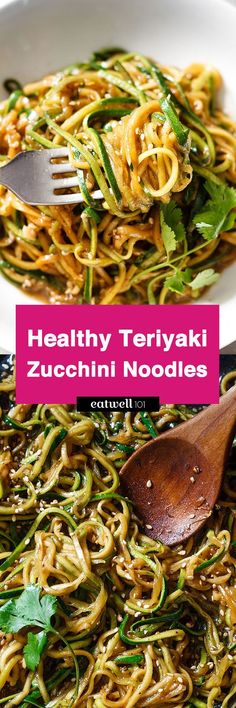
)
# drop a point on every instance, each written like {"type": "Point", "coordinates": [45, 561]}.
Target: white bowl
{"type": "Point", "coordinates": [39, 36]}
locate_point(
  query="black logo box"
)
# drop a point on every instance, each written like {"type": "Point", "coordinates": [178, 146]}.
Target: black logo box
{"type": "Point", "coordinates": [117, 403]}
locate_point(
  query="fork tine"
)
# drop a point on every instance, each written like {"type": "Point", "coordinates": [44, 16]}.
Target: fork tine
{"type": "Point", "coordinates": [57, 152]}
{"type": "Point", "coordinates": [65, 183]}
{"type": "Point", "coordinates": [75, 198]}
{"type": "Point", "coordinates": [59, 167]}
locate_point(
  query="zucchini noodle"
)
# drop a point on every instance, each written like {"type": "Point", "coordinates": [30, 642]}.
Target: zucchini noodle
{"type": "Point", "coordinates": [137, 623]}
{"type": "Point", "coordinates": [147, 136]}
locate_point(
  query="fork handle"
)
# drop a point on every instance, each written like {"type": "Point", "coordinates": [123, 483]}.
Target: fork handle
{"type": "Point", "coordinates": [4, 181]}
{"type": "Point", "coordinates": [8, 173]}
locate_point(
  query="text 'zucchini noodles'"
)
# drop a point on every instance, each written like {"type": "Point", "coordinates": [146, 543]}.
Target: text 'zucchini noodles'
{"type": "Point", "coordinates": [93, 613]}
{"type": "Point", "coordinates": [162, 152]}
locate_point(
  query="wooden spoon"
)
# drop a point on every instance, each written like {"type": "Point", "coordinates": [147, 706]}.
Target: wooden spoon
{"type": "Point", "coordinates": [175, 479]}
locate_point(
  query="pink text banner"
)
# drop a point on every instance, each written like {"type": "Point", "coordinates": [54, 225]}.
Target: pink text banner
{"type": "Point", "coordinates": [170, 351]}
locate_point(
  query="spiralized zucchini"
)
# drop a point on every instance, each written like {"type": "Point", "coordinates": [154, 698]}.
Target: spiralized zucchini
{"type": "Point", "coordinates": [148, 137]}
{"type": "Point", "coordinates": [137, 623]}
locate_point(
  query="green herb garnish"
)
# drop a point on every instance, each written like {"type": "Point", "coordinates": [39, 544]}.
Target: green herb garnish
{"type": "Point", "coordinates": [176, 282]}
{"type": "Point", "coordinates": [217, 214]}
{"type": "Point", "coordinates": [172, 227]}
{"type": "Point", "coordinates": [29, 610]}
{"type": "Point", "coordinates": [204, 279]}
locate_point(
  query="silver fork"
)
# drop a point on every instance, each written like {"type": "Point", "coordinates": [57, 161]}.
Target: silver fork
{"type": "Point", "coordinates": [34, 177]}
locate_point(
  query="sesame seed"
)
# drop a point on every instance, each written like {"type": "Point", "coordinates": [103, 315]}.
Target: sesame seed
{"type": "Point", "coordinates": [196, 469]}
{"type": "Point", "coordinates": [149, 484]}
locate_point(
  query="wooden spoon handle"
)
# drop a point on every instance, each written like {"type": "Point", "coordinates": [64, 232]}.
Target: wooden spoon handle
{"type": "Point", "coordinates": [213, 429]}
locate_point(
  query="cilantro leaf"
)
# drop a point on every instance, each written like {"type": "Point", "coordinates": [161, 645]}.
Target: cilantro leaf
{"type": "Point", "coordinates": [172, 228]}
{"type": "Point", "coordinates": [26, 611]}
{"type": "Point", "coordinates": [217, 214]}
{"type": "Point", "coordinates": [34, 648]}
{"type": "Point", "coordinates": [168, 236]}
{"type": "Point", "coordinates": [204, 278]}
{"type": "Point", "coordinates": [229, 221]}
{"type": "Point", "coordinates": [176, 282]}
{"type": "Point", "coordinates": [9, 622]}
{"type": "Point", "coordinates": [173, 218]}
